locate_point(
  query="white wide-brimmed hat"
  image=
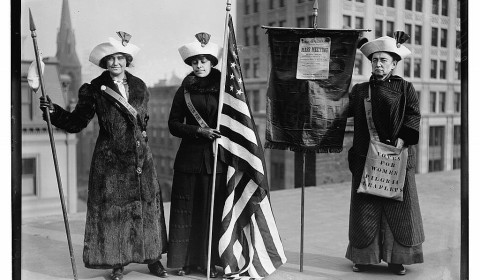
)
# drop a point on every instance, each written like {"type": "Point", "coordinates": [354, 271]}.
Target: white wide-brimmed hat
{"type": "Point", "coordinates": [202, 46]}
{"type": "Point", "coordinates": [113, 46]}
{"type": "Point", "coordinates": [386, 44]}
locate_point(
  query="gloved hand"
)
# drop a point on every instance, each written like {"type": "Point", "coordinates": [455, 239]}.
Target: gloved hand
{"type": "Point", "coordinates": [208, 133]}
{"type": "Point", "coordinates": [46, 104]}
{"type": "Point", "coordinates": [400, 143]}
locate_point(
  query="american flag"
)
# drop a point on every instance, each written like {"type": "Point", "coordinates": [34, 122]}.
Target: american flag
{"type": "Point", "coordinates": [250, 246]}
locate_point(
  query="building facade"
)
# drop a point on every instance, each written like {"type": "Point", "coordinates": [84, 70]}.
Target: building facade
{"type": "Point", "coordinates": [40, 194]}
{"type": "Point", "coordinates": [433, 68]}
{"type": "Point", "coordinates": [164, 146]}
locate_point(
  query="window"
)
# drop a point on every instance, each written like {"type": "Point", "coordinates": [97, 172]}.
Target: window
{"type": "Point", "coordinates": [359, 1]}
{"type": "Point", "coordinates": [456, 146]}
{"type": "Point", "coordinates": [435, 148]}
{"type": "Point", "coordinates": [443, 69]}
{"type": "Point", "coordinates": [27, 107]}
{"type": "Point", "coordinates": [357, 70]}
{"type": "Point", "coordinates": [29, 176]}
{"type": "Point", "coordinates": [281, 23]}
{"type": "Point", "coordinates": [418, 5]}
{"type": "Point", "coordinates": [390, 28]}
{"type": "Point", "coordinates": [359, 23]}
{"type": "Point", "coordinates": [444, 7]}
{"type": "Point", "coordinates": [311, 19]}
{"type": "Point", "coordinates": [435, 7]}
{"type": "Point", "coordinates": [271, 23]}
{"type": "Point", "coordinates": [347, 21]}
{"type": "Point", "coordinates": [433, 102]}
{"type": "Point", "coordinates": [417, 67]}
{"type": "Point", "coordinates": [408, 5]}
{"type": "Point", "coordinates": [378, 28]}
{"type": "Point", "coordinates": [246, 7]}
{"type": "Point", "coordinates": [418, 35]}
{"type": "Point", "coordinates": [301, 22]}
{"type": "Point", "coordinates": [379, 2]}
{"type": "Point", "coordinates": [256, 100]}
{"type": "Point", "coordinates": [408, 29]}
{"type": "Point", "coordinates": [457, 70]}
{"type": "Point", "coordinates": [391, 3]}
{"type": "Point", "coordinates": [246, 69]}
{"type": "Point", "coordinates": [300, 1]}
{"type": "Point", "coordinates": [407, 65]}
{"type": "Point", "coordinates": [456, 102]}
{"type": "Point", "coordinates": [270, 5]}
{"type": "Point", "coordinates": [434, 36]}
{"type": "Point", "coordinates": [458, 41]}
{"type": "Point", "coordinates": [255, 6]}
{"type": "Point", "coordinates": [246, 30]}
{"type": "Point", "coordinates": [281, 3]}
{"type": "Point", "coordinates": [433, 69]}
{"type": "Point", "coordinates": [255, 35]}
{"type": "Point", "coordinates": [256, 65]}
{"type": "Point", "coordinates": [441, 102]}
{"type": "Point", "coordinates": [443, 38]}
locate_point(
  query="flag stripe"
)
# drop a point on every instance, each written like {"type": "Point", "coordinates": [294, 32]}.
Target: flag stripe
{"type": "Point", "coordinates": [241, 152]}
{"type": "Point", "coordinates": [236, 103]}
{"type": "Point", "coordinates": [226, 121]}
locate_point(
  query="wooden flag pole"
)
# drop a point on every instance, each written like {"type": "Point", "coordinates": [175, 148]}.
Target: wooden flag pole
{"type": "Point", "coordinates": [52, 144]}
{"type": "Point", "coordinates": [215, 142]}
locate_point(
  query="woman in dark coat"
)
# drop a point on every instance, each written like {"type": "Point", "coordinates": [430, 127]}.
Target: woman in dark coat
{"type": "Point", "coordinates": [125, 219]}
{"type": "Point", "coordinates": [193, 176]}
{"type": "Point", "coordinates": [382, 228]}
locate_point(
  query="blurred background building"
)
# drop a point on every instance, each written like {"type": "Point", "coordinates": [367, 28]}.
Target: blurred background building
{"type": "Point", "coordinates": [433, 68]}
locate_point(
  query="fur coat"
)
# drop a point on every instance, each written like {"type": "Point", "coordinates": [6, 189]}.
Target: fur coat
{"type": "Point", "coordinates": [125, 218]}
{"type": "Point", "coordinates": [396, 114]}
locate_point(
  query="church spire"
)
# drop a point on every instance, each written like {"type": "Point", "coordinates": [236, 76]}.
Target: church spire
{"type": "Point", "coordinates": [66, 54]}
{"type": "Point", "coordinates": [69, 65]}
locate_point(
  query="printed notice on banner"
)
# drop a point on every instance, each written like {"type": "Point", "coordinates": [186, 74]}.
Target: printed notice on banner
{"type": "Point", "coordinates": [313, 58]}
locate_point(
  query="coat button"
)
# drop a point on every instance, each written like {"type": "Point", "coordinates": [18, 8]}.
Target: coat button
{"type": "Point", "coordinates": [139, 170]}
{"type": "Point", "coordinates": [138, 143]}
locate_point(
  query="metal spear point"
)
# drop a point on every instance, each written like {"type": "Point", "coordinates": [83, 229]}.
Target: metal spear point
{"type": "Point", "coordinates": [52, 144]}
{"type": "Point", "coordinates": [315, 14]}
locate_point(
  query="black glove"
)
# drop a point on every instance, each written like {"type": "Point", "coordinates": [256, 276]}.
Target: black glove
{"type": "Point", "coordinates": [208, 133]}
{"type": "Point", "coordinates": [46, 104]}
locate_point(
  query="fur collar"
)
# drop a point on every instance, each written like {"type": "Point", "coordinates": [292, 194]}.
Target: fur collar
{"type": "Point", "coordinates": [208, 84]}
{"type": "Point", "coordinates": [134, 83]}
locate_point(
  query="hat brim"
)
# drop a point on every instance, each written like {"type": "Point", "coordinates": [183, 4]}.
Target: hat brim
{"type": "Point", "coordinates": [111, 47]}
{"type": "Point", "coordinates": [189, 51]}
{"type": "Point", "coordinates": [384, 44]}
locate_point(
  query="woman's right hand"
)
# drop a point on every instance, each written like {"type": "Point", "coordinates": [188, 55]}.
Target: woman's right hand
{"type": "Point", "coordinates": [209, 133]}
{"type": "Point", "coordinates": [46, 103]}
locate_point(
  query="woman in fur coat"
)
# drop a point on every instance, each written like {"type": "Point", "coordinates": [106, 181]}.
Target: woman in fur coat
{"type": "Point", "coordinates": [193, 167]}
{"type": "Point", "coordinates": [125, 219]}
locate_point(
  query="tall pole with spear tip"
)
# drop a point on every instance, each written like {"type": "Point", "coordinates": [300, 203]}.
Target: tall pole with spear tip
{"type": "Point", "coordinates": [52, 144]}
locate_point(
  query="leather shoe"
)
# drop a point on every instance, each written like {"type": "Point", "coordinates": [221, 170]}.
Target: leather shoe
{"type": "Point", "coordinates": [360, 267]}
{"type": "Point", "coordinates": [398, 269]}
{"type": "Point", "coordinates": [117, 274]}
{"type": "Point", "coordinates": [183, 271]}
{"type": "Point", "coordinates": [157, 269]}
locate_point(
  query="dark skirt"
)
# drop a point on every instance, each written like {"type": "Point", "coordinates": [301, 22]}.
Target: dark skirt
{"type": "Point", "coordinates": [384, 247]}
{"type": "Point", "coordinates": [189, 219]}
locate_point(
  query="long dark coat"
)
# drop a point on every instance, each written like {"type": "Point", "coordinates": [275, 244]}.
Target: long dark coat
{"type": "Point", "coordinates": [391, 99]}
{"type": "Point", "coordinates": [192, 179]}
{"type": "Point", "coordinates": [125, 219]}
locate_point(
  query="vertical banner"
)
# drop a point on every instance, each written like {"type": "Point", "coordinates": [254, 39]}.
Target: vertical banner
{"type": "Point", "coordinates": [307, 97]}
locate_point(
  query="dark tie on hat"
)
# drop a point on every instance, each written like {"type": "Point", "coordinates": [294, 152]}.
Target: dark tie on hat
{"type": "Point", "coordinates": [401, 37]}
{"type": "Point", "coordinates": [124, 36]}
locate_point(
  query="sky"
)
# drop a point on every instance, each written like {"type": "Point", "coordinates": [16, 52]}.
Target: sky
{"type": "Point", "coordinates": [158, 27]}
